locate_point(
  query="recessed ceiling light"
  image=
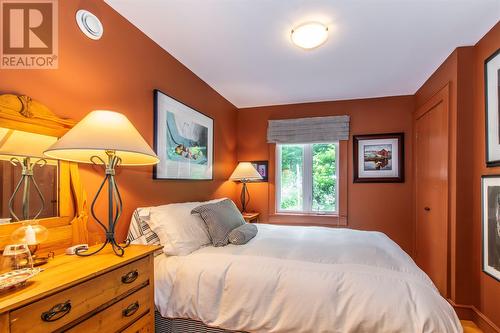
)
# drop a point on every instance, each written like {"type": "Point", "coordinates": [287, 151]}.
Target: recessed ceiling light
{"type": "Point", "coordinates": [89, 24]}
{"type": "Point", "coordinates": [309, 35]}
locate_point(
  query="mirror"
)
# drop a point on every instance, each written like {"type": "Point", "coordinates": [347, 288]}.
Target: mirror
{"type": "Point", "coordinates": [48, 188]}
{"type": "Point", "coordinates": [28, 180]}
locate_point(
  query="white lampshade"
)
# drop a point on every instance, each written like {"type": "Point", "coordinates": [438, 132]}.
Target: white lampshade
{"type": "Point", "coordinates": [245, 171]}
{"type": "Point", "coordinates": [102, 131]}
{"type": "Point", "coordinates": [23, 144]}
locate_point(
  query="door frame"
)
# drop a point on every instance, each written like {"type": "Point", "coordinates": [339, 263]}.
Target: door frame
{"type": "Point", "coordinates": [441, 97]}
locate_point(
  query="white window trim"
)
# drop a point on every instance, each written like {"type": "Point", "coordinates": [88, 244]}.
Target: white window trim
{"type": "Point", "coordinates": [306, 181]}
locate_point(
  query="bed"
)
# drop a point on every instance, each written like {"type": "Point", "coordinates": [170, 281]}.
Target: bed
{"type": "Point", "coordinates": [299, 279]}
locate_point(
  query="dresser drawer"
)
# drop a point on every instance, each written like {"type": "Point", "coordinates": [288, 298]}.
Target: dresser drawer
{"type": "Point", "coordinates": [54, 312]}
{"type": "Point", "coordinates": [142, 325]}
{"type": "Point", "coordinates": [118, 316]}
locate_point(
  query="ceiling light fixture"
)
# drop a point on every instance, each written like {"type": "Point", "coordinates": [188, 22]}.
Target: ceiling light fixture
{"type": "Point", "coordinates": [89, 24]}
{"type": "Point", "coordinates": [309, 35]}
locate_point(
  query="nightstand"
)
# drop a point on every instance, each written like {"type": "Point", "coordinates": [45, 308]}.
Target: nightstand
{"type": "Point", "coordinates": [251, 217]}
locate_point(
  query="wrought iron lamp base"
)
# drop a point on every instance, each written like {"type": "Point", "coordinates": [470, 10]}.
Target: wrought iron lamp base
{"type": "Point", "coordinates": [114, 205]}
{"type": "Point", "coordinates": [118, 249]}
{"type": "Point", "coordinates": [244, 196]}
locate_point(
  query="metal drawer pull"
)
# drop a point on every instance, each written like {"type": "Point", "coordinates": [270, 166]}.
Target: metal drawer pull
{"type": "Point", "coordinates": [130, 276]}
{"type": "Point", "coordinates": [131, 309]}
{"type": "Point", "coordinates": [57, 312]}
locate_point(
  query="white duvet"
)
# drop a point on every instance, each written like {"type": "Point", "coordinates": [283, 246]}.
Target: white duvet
{"type": "Point", "coordinates": [303, 279]}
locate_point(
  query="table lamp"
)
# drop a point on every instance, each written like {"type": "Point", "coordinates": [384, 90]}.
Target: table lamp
{"type": "Point", "coordinates": [244, 173]}
{"type": "Point", "coordinates": [109, 139]}
{"type": "Point", "coordinates": [32, 235]}
{"type": "Point", "coordinates": [25, 149]}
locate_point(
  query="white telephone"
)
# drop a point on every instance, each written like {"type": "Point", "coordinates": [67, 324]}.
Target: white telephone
{"type": "Point", "coordinates": [80, 247]}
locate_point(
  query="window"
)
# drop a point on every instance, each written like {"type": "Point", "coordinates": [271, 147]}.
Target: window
{"type": "Point", "coordinates": [306, 178]}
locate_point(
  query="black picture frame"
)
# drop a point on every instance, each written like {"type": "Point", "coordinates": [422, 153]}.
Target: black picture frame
{"type": "Point", "coordinates": [486, 249]}
{"type": "Point", "coordinates": [156, 142]}
{"type": "Point", "coordinates": [492, 126]}
{"type": "Point", "coordinates": [259, 166]}
{"type": "Point", "coordinates": [400, 170]}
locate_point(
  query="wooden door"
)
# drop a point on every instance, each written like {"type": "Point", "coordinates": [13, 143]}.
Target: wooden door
{"type": "Point", "coordinates": [432, 190]}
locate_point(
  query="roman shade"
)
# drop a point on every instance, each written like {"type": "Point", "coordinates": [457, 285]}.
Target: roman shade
{"type": "Point", "coordinates": [308, 130]}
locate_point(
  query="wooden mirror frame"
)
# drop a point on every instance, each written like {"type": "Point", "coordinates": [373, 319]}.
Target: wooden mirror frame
{"type": "Point", "coordinates": [20, 112]}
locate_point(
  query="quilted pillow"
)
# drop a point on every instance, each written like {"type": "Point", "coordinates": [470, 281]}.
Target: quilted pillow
{"type": "Point", "coordinates": [221, 218]}
{"type": "Point", "coordinates": [242, 234]}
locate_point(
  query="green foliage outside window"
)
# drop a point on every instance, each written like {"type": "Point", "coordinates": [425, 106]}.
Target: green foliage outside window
{"type": "Point", "coordinates": [324, 170]}
{"type": "Point", "coordinates": [323, 177]}
{"type": "Point", "coordinates": [291, 177]}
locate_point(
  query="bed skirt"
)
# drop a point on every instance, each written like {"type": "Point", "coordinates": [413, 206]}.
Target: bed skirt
{"type": "Point", "coordinates": [179, 325]}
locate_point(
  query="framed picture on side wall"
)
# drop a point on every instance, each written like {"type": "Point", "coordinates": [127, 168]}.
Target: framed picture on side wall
{"type": "Point", "coordinates": [378, 158]}
{"type": "Point", "coordinates": [183, 140]}
{"type": "Point", "coordinates": [262, 169]}
{"type": "Point", "coordinates": [492, 106]}
{"type": "Point", "coordinates": [491, 225]}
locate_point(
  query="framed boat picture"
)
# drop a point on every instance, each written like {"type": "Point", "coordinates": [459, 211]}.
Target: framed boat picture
{"type": "Point", "coordinates": [378, 158]}
{"type": "Point", "coordinates": [183, 140]}
{"type": "Point", "coordinates": [491, 225]}
{"type": "Point", "coordinates": [492, 106]}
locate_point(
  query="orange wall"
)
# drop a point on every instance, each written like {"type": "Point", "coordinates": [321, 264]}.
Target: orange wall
{"type": "Point", "coordinates": [464, 71]}
{"type": "Point", "coordinates": [488, 289]}
{"type": "Point", "coordinates": [119, 72]}
{"type": "Point", "coordinates": [457, 71]}
{"type": "Point", "coordinates": [382, 207]}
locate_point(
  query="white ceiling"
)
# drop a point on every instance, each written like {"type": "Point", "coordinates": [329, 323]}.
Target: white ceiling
{"type": "Point", "coordinates": [242, 48]}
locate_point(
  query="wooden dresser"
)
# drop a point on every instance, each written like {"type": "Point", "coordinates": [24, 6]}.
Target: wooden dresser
{"type": "Point", "coordinates": [100, 293]}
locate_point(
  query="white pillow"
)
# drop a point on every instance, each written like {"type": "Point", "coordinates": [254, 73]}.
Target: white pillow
{"type": "Point", "coordinates": [180, 232]}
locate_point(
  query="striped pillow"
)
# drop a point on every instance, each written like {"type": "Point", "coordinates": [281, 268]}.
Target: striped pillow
{"type": "Point", "coordinates": [139, 231]}
{"type": "Point", "coordinates": [242, 234]}
{"type": "Point", "coordinates": [221, 218]}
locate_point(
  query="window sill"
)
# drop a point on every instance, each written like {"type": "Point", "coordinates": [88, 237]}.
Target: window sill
{"type": "Point", "coordinates": [329, 220]}
{"type": "Point", "coordinates": [305, 214]}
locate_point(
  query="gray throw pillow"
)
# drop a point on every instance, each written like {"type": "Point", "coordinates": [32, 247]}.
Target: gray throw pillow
{"type": "Point", "coordinates": [221, 218]}
{"type": "Point", "coordinates": [242, 234]}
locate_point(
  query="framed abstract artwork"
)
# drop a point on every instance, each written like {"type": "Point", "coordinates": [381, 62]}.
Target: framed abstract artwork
{"type": "Point", "coordinates": [492, 106]}
{"type": "Point", "coordinates": [262, 169]}
{"type": "Point", "coordinates": [183, 140]}
{"type": "Point", "coordinates": [378, 158]}
{"type": "Point", "coordinates": [491, 225]}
